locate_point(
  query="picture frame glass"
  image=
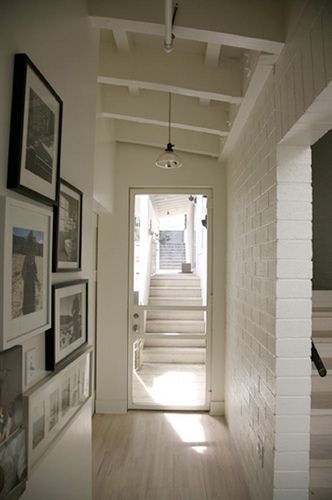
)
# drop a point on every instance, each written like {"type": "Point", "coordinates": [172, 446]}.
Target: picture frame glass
{"type": "Point", "coordinates": [68, 251]}
{"type": "Point", "coordinates": [26, 270]}
{"type": "Point", "coordinates": [40, 137]}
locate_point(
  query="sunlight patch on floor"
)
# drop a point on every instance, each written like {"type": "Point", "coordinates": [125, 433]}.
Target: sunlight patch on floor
{"type": "Point", "coordinates": [170, 384]}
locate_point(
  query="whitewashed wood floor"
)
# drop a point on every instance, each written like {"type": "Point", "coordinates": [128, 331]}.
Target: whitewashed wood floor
{"type": "Point", "coordinates": [170, 384]}
{"type": "Point", "coordinates": [149, 455]}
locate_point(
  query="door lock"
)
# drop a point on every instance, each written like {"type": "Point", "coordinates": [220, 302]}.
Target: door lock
{"type": "Point", "coordinates": [136, 327]}
{"type": "Point", "coordinates": [136, 315]}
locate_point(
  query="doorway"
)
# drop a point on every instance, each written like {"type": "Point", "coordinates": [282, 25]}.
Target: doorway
{"type": "Point", "coordinates": [169, 308]}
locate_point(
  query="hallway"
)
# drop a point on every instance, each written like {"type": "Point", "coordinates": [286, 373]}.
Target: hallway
{"type": "Point", "coordinates": [165, 456]}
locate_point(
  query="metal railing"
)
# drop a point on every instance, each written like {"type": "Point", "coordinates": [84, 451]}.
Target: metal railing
{"type": "Point", "coordinates": [317, 360]}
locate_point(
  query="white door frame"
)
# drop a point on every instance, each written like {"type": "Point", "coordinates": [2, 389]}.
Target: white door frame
{"type": "Point", "coordinates": [134, 309]}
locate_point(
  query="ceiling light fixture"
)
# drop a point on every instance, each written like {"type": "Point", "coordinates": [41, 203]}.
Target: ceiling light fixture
{"type": "Point", "coordinates": [169, 159]}
{"type": "Point", "coordinates": [169, 23]}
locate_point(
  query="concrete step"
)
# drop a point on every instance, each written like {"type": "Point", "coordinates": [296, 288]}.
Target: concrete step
{"type": "Point", "coordinates": [175, 291]}
{"type": "Point", "coordinates": [323, 346]}
{"type": "Point", "coordinates": [164, 315]}
{"type": "Point", "coordinates": [321, 298]}
{"type": "Point", "coordinates": [321, 477]}
{"type": "Point", "coordinates": [320, 493]}
{"type": "Point", "coordinates": [176, 326]}
{"type": "Point", "coordinates": [172, 341]}
{"type": "Point", "coordinates": [321, 403]}
{"type": "Point", "coordinates": [322, 384]}
{"type": "Point", "coordinates": [174, 276]}
{"type": "Point", "coordinates": [175, 301]}
{"type": "Point", "coordinates": [173, 355]}
{"type": "Point", "coordinates": [323, 322]}
{"type": "Point", "coordinates": [321, 447]}
{"type": "Point", "coordinates": [178, 283]}
{"type": "Point", "coordinates": [170, 267]}
{"type": "Point", "coordinates": [320, 424]}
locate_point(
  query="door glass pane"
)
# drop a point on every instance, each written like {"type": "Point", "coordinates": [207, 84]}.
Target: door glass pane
{"type": "Point", "coordinates": [170, 250]}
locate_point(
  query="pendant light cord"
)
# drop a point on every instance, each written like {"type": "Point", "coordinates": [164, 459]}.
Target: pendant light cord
{"type": "Point", "coordinates": [169, 117]}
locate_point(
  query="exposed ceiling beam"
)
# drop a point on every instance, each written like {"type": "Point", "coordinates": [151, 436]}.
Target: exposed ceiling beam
{"type": "Point", "coordinates": [212, 54]}
{"type": "Point", "coordinates": [121, 41]}
{"type": "Point", "coordinates": [152, 107]}
{"type": "Point", "coordinates": [165, 72]}
{"type": "Point", "coordinates": [260, 25]}
{"type": "Point", "coordinates": [152, 135]}
{"type": "Point", "coordinates": [263, 68]}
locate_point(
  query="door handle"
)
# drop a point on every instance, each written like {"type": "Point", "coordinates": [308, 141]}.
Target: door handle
{"type": "Point", "coordinates": [136, 328]}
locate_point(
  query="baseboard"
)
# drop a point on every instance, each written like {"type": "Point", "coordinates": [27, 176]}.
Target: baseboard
{"type": "Point", "coordinates": [217, 408]}
{"type": "Point", "coordinates": [111, 406]}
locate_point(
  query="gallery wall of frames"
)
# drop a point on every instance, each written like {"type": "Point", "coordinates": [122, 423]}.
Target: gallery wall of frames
{"type": "Point", "coordinates": [41, 233]}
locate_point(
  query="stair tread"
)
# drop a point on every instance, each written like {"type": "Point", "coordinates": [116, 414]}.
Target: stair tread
{"type": "Point", "coordinates": [321, 401]}
{"type": "Point", "coordinates": [321, 448]}
{"type": "Point", "coordinates": [177, 349]}
{"type": "Point", "coordinates": [320, 493]}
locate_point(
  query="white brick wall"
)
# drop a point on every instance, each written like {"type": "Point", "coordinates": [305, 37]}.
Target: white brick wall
{"type": "Point", "coordinates": [269, 265]}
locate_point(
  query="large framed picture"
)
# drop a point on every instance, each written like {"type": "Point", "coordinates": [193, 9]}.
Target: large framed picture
{"type": "Point", "coordinates": [25, 270]}
{"type": "Point", "coordinates": [68, 229]}
{"type": "Point", "coordinates": [52, 404]}
{"type": "Point", "coordinates": [35, 134]}
{"type": "Point", "coordinates": [69, 331]}
{"type": "Point", "coordinates": [13, 465]}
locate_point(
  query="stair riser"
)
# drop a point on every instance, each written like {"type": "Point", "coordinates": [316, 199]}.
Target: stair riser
{"type": "Point", "coordinates": [321, 384]}
{"type": "Point", "coordinates": [174, 343]}
{"type": "Point", "coordinates": [320, 476]}
{"type": "Point", "coordinates": [173, 358]}
{"type": "Point", "coordinates": [322, 323]}
{"type": "Point", "coordinates": [179, 292]}
{"type": "Point", "coordinates": [164, 315]}
{"type": "Point", "coordinates": [321, 424]}
{"type": "Point", "coordinates": [181, 283]}
{"type": "Point", "coordinates": [324, 349]}
{"type": "Point", "coordinates": [163, 301]}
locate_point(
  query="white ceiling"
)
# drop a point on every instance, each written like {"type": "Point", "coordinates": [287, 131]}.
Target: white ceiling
{"type": "Point", "coordinates": [214, 76]}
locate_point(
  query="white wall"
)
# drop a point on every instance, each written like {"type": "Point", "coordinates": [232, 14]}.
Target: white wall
{"type": "Point", "coordinates": [135, 168]}
{"type": "Point", "coordinates": [269, 261]}
{"type": "Point", "coordinates": [59, 39]}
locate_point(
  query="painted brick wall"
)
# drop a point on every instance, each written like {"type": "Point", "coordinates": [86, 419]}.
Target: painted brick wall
{"type": "Point", "coordinates": [269, 267]}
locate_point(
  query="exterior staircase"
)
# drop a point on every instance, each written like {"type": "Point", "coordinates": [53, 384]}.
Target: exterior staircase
{"type": "Point", "coordinates": [172, 251]}
{"type": "Point", "coordinates": [167, 330]}
{"type": "Point", "coordinates": [321, 401]}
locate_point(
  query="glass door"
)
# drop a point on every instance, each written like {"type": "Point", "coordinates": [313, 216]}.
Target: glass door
{"type": "Point", "coordinates": [169, 340]}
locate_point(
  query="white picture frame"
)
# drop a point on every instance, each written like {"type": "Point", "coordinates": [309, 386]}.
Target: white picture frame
{"type": "Point", "coordinates": [52, 404]}
{"type": "Point", "coordinates": [25, 270]}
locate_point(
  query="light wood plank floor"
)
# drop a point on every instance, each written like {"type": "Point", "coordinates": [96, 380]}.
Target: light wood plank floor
{"type": "Point", "coordinates": [148, 455]}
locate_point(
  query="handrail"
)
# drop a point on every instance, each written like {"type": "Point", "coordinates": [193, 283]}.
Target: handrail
{"type": "Point", "coordinates": [317, 360]}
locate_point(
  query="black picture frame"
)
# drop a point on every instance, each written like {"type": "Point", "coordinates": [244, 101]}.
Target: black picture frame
{"type": "Point", "coordinates": [67, 236]}
{"type": "Point", "coordinates": [69, 313]}
{"type": "Point", "coordinates": [35, 134]}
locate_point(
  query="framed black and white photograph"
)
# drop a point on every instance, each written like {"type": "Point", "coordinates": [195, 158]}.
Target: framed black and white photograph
{"type": "Point", "coordinates": [68, 229]}
{"type": "Point", "coordinates": [35, 134]}
{"type": "Point", "coordinates": [69, 331]}
{"type": "Point", "coordinates": [52, 403]}
{"type": "Point", "coordinates": [25, 270]}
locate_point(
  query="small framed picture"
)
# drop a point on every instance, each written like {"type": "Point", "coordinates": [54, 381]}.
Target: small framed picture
{"type": "Point", "coordinates": [68, 229]}
{"type": "Point", "coordinates": [25, 270]}
{"type": "Point", "coordinates": [52, 403]}
{"type": "Point", "coordinates": [70, 325]}
{"type": "Point", "coordinates": [35, 134]}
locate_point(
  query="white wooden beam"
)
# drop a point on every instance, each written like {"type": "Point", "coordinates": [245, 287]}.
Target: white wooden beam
{"type": "Point", "coordinates": [255, 25]}
{"type": "Point", "coordinates": [133, 90]}
{"type": "Point", "coordinates": [259, 77]}
{"type": "Point", "coordinates": [151, 135]}
{"type": "Point", "coordinates": [154, 70]}
{"type": "Point", "coordinates": [152, 107]}
{"type": "Point", "coordinates": [212, 54]}
{"type": "Point", "coordinates": [121, 41]}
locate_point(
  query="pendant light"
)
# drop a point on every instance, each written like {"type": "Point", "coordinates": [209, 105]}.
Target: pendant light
{"type": "Point", "coordinates": [169, 159]}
